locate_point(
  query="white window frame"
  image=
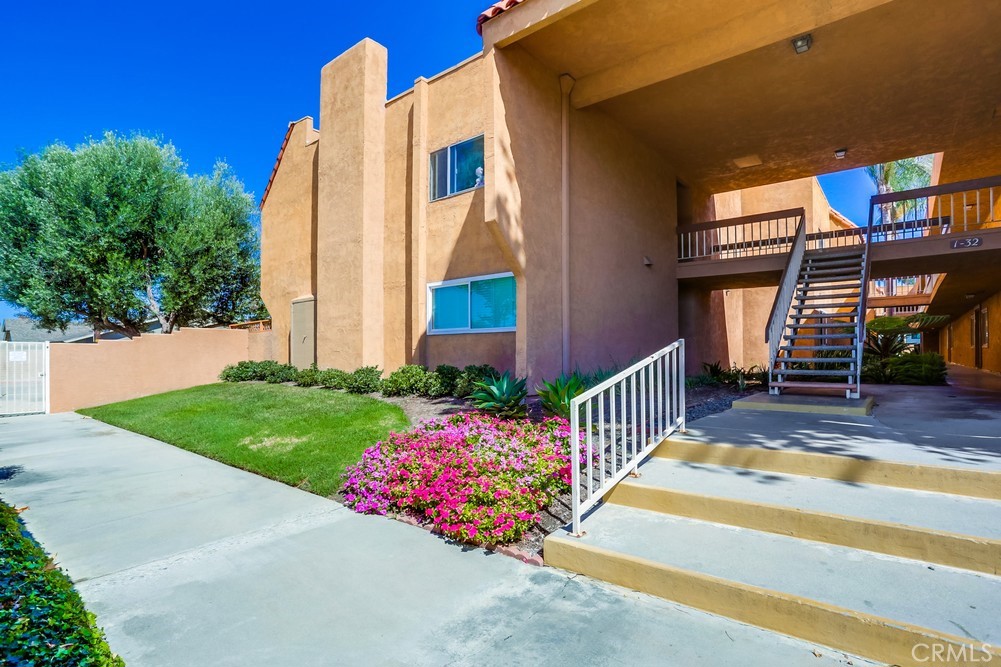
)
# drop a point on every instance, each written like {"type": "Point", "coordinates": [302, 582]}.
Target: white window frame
{"type": "Point", "coordinates": [448, 167]}
{"type": "Point", "coordinates": [431, 331]}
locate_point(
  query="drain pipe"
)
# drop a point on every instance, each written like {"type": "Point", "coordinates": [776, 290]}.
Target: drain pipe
{"type": "Point", "coordinates": [566, 87]}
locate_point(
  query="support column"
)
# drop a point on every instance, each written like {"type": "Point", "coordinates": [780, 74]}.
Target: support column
{"type": "Point", "coordinates": [351, 208]}
{"type": "Point", "coordinates": [420, 194]}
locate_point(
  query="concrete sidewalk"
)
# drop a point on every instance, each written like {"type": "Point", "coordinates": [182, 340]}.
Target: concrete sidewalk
{"type": "Point", "coordinates": [958, 425]}
{"type": "Point", "coordinates": [187, 561]}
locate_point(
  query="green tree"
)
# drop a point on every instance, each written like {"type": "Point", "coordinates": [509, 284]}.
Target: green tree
{"type": "Point", "coordinates": [115, 233]}
{"type": "Point", "coordinates": [898, 176]}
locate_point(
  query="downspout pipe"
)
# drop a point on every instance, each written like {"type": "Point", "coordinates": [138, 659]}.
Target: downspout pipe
{"type": "Point", "coordinates": [566, 87]}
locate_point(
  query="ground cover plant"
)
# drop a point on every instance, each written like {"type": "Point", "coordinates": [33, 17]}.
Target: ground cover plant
{"type": "Point", "coordinates": [43, 621]}
{"type": "Point", "coordinates": [474, 477]}
{"type": "Point", "coordinates": [304, 438]}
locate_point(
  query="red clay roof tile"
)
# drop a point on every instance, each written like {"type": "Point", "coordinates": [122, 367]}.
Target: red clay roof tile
{"type": "Point", "coordinates": [494, 10]}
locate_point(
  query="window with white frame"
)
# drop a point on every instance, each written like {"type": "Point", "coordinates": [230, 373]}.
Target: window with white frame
{"type": "Point", "coordinates": [457, 168]}
{"type": "Point", "coordinates": [483, 304]}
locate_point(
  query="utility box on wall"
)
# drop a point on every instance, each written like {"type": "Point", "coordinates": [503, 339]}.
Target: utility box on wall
{"type": "Point", "coordinates": [302, 346]}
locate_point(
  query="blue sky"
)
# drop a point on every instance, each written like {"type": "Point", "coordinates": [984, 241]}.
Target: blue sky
{"type": "Point", "coordinates": [221, 80]}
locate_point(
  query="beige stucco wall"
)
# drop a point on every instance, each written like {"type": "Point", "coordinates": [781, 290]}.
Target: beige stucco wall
{"type": "Point", "coordinates": [962, 350]}
{"type": "Point", "coordinates": [351, 181]}
{"type": "Point", "coordinates": [622, 209]}
{"type": "Point", "coordinates": [83, 376]}
{"type": "Point", "coordinates": [288, 232]}
{"type": "Point", "coordinates": [746, 311]}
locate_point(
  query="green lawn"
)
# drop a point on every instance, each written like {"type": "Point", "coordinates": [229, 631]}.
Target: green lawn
{"type": "Point", "coordinates": [303, 437]}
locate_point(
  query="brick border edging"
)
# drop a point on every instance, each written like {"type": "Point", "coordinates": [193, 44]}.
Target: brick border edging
{"type": "Point", "coordinates": [512, 552]}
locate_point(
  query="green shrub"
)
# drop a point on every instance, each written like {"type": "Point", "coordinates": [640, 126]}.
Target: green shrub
{"type": "Point", "coordinates": [503, 396]}
{"type": "Point", "coordinates": [365, 380]}
{"type": "Point", "coordinates": [556, 396]}
{"type": "Point", "coordinates": [465, 384]}
{"type": "Point", "coordinates": [448, 376]}
{"type": "Point", "coordinates": [248, 371]}
{"type": "Point", "coordinates": [333, 378]}
{"type": "Point", "coordinates": [434, 386]}
{"type": "Point", "coordinates": [877, 371]}
{"type": "Point", "coordinates": [43, 622]}
{"type": "Point", "coordinates": [308, 377]}
{"type": "Point", "coordinates": [406, 380]}
{"type": "Point", "coordinates": [596, 376]}
{"type": "Point", "coordinates": [918, 369]}
{"type": "Point", "coordinates": [281, 373]}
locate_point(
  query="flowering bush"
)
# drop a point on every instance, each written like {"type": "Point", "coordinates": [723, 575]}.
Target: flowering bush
{"type": "Point", "coordinates": [477, 478]}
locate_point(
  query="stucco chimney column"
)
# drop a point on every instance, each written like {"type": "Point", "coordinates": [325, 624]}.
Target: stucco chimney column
{"type": "Point", "coordinates": [351, 208]}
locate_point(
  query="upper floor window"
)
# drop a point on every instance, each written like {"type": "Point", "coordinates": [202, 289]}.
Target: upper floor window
{"type": "Point", "coordinates": [482, 304]}
{"type": "Point", "coordinates": [457, 168]}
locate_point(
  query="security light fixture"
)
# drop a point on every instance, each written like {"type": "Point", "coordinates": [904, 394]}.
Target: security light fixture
{"type": "Point", "coordinates": [802, 44]}
{"type": "Point", "coordinates": [971, 296]}
{"type": "Point", "coordinates": [840, 153]}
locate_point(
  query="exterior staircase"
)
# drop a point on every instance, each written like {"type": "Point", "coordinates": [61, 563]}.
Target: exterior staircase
{"type": "Point", "coordinates": [887, 560]}
{"type": "Point", "coordinates": [820, 346]}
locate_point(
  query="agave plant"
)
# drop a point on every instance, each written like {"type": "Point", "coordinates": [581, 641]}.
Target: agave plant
{"type": "Point", "coordinates": [503, 396]}
{"type": "Point", "coordinates": [556, 396]}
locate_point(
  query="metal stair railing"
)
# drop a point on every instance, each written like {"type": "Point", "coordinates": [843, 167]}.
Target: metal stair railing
{"type": "Point", "coordinates": [783, 298]}
{"type": "Point", "coordinates": [615, 425]}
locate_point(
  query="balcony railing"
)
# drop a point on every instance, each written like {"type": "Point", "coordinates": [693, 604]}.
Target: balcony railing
{"type": "Point", "coordinates": [952, 208]}
{"type": "Point", "coordinates": [748, 236]}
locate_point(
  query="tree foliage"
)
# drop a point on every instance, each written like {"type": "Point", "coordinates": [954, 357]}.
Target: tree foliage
{"type": "Point", "coordinates": [115, 233]}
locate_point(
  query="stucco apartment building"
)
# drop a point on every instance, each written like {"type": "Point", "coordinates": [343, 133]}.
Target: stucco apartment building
{"type": "Point", "coordinates": [522, 208]}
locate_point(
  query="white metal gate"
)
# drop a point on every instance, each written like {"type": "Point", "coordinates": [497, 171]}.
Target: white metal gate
{"type": "Point", "coordinates": [24, 378]}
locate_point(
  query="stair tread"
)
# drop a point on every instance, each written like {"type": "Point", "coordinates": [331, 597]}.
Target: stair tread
{"type": "Point", "coordinates": [807, 316]}
{"type": "Point", "coordinates": [939, 598]}
{"type": "Point", "coordinates": [788, 384]}
{"type": "Point", "coordinates": [975, 517]}
{"type": "Point", "coordinates": [816, 360]}
{"type": "Point", "coordinates": [823, 325]}
{"type": "Point", "coordinates": [810, 371]}
{"type": "Point", "coordinates": [816, 347]}
{"type": "Point", "coordinates": [804, 306]}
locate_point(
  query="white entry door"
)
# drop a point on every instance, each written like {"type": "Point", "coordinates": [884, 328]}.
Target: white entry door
{"type": "Point", "coordinates": [24, 378]}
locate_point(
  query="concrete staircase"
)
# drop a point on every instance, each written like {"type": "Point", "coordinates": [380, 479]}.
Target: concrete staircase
{"type": "Point", "coordinates": [882, 559]}
{"type": "Point", "coordinates": [821, 324]}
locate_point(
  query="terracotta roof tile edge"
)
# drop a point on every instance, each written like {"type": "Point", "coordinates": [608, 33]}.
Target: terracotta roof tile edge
{"type": "Point", "coordinates": [278, 160]}
{"type": "Point", "coordinates": [495, 10]}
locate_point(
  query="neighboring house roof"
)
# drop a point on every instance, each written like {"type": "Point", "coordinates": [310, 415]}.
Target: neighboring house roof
{"type": "Point", "coordinates": [495, 9]}
{"type": "Point", "coordinates": [26, 330]}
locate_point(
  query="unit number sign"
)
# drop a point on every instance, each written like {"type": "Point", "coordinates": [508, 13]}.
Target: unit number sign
{"type": "Point", "coordinates": [972, 242]}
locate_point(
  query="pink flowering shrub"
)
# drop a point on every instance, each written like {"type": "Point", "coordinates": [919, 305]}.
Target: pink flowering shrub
{"type": "Point", "coordinates": [477, 478]}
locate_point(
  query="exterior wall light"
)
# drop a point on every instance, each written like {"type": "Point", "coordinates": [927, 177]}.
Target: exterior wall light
{"type": "Point", "coordinates": [840, 153]}
{"type": "Point", "coordinates": [802, 44]}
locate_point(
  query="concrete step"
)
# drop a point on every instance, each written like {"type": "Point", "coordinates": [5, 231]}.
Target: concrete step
{"type": "Point", "coordinates": [818, 386]}
{"type": "Point", "coordinates": [969, 481]}
{"type": "Point", "coordinates": [939, 528]}
{"type": "Point", "coordinates": [870, 604]}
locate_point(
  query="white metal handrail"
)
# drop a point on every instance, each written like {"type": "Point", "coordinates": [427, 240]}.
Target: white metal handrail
{"type": "Point", "coordinates": [783, 297]}
{"type": "Point", "coordinates": [624, 419]}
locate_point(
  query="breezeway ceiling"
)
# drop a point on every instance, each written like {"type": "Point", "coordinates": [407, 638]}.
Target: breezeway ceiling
{"type": "Point", "coordinates": [903, 78]}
